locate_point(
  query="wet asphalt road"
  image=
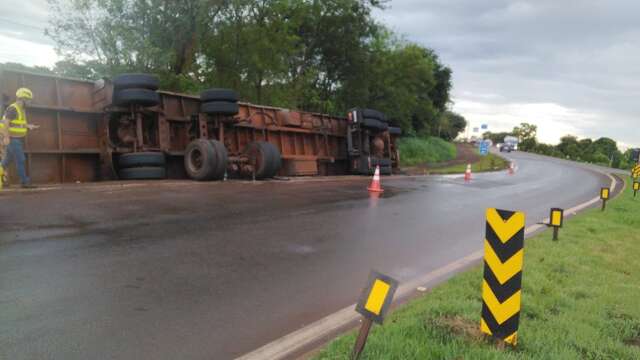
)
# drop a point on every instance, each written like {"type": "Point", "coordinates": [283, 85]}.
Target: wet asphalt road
{"type": "Point", "coordinates": [183, 270]}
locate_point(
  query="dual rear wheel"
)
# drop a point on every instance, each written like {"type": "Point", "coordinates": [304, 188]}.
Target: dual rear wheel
{"type": "Point", "coordinates": [136, 89]}
{"type": "Point", "coordinates": [219, 102]}
{"type": "Point", "coordinates": [265, 159]}
{"type": "Point", "coordinates": [142, 166]}
{"type": "Point", "coordinates": [206, 160]}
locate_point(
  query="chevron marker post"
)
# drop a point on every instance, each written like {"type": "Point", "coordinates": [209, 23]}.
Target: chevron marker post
{"type": "Point", "coordinates": [635, 172]}
{"type": "Point", "coordinates": [502, 283]}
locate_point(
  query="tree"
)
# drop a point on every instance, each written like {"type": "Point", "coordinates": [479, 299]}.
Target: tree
{"type": "Point", "coordinates": [399, 83]}
{"type": "Point", "coordinates": [126, 35]}
{"type": "Point", "coordinates": [608, 148]}
{"type": "Point", "coordinates": [496, 138]}
{"type": "Point", "coordinates": [21, 67]}
{"type": "Point", "coordinates": [325, 56]}
{"type": "Point", "coordinates": [601, 159]}
{"type": "Point", "coordinates": [526, 133]}
{"type": "Point", "coordinates": [452, 126]}
{"type": "Point", "coordinates": [569, 147]}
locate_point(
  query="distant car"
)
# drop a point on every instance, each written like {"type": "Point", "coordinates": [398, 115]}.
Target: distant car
{"type": "Point", "coordinates": [506, 148]}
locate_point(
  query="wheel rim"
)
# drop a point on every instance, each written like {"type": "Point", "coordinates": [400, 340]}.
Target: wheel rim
{"type": "Point", "coordinates": [195, 160]}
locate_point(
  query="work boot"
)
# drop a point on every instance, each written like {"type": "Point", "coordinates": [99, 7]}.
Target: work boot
{"type": "Point", "coordinates": [28, 186]}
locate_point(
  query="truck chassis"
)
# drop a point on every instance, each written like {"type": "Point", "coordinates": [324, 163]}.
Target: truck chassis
{"type": "Point", "coordinates": [83, 133]}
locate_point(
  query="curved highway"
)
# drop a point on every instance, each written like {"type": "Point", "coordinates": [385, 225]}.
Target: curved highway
{"type": "Point", "coordinates": [212, 271]}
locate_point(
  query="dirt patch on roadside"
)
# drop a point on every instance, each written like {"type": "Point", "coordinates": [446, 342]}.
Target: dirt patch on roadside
{"type": "Point", "coordinates": [634, 341]}
{"type": "Point", "coordinates": [466, 154]}
{"type": "Point", "coordinates": [461, 327]}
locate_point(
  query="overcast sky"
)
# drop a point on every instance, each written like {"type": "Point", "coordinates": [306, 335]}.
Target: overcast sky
{"type": "Point", "coordinates": [570, 67]}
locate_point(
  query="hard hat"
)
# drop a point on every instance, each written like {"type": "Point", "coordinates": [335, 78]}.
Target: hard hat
{"type": "Point", "coordinates": [24, 94]}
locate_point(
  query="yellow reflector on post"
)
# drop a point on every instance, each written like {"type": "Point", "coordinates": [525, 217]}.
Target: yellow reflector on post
{"type": "Point", "coordinates": [604, 193]}
{"type": "Point", "coordinates": [557, 216]}
{"type": "Point", "coordinates": [373, 305]}
{"type": "Point", "coordinates": [377, 296]}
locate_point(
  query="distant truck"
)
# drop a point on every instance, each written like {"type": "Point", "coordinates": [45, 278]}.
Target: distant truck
{"type": "Point", "coordinates": [128, 129]}
{"type": "Point", "coordinates": [510, 144]}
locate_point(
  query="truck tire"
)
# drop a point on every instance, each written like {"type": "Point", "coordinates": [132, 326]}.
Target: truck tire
{"type": "Point", "coordinates": [136, 81]}
{"type": "Point", "coordinates": [226, 95]}
{"type": "Point", "coordinates": [374, 124]}
{"type": "Point", "coordinates": [222, 158]}
{"type": "Point", "coordinates": [141, 159]}
{"type": "Point", "coordinates": [373, 114]}
{"type": "Point", "coordinates": [395, 130]}
{"type": "Point", "coordinates": [275, 160]}
{"type": "Point", "coordinates": [220, 108]}
{"type": "Point", "coordinates": [143, 173]}
{"type": "Point", "coordinates": [142, 97]}
{"type": "Point", "coordinates": [265, 158]}
{"type": "Point", "coordinates": [200, 160]}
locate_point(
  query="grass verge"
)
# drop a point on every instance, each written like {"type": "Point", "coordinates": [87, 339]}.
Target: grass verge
{"type": "Point", "coordinates": [490, 162]}
{"type": "Point", "coordinates": [580, 300]}
{"type": "Point", "coordinates": [416, 150]}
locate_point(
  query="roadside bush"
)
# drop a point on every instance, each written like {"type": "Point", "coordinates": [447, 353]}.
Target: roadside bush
{"type": "Point", "coordinates": [600, 159]}
{"type": "Point", "coordinates": [417, 150]}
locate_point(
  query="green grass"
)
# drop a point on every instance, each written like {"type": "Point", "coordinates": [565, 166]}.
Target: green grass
{"type": "Point", "coordinates": [415, 150]}
{"type": "Point", "coordinates": [581, 300]}
{"type": "Point", "coordinates": [490, 162]}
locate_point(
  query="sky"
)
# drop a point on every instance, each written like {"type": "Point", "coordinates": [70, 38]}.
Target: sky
{"type": "Point", "coordinates": [567, 66]}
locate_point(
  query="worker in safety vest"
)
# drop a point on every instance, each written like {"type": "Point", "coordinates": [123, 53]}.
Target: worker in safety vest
{"type": "Point", "coordinates": [14, 122]}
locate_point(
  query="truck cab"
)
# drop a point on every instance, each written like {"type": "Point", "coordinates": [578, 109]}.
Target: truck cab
{"type": "Point", "coordinates": [371, 142]}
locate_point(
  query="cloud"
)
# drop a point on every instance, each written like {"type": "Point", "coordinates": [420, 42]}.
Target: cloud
{"type": "Point", "coordinates": [22, 37]}
{"type": "Point", "coordinates": [566, 66]}
{"type": "Point", "coordinates": [26, 52]}
{"type": "Point", "coordinates": [551, 119]}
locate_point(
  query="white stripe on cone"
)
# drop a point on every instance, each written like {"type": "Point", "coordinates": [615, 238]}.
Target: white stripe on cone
{"type": "Point", "coordinates": [376, 175]}
{"type": "Point", "coordinates": [375, 183]}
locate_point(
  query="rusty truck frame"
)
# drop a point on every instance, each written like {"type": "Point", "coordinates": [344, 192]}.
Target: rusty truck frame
{"type": "Point", "coordinates": [83, 133]}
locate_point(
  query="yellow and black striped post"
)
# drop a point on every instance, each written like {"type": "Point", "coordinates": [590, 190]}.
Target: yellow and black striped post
{"type": "Point", "coordinates": [635, 172]}
{"type": "Point", "coordinates": [636, 187]}
{"type": "Point", "coordinates": [502, 283]}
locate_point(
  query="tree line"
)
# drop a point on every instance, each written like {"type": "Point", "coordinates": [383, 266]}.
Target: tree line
{"type": "Point", "coordinates": [603, 151]}
{"type": "Point", "coordinates": [324, 56]}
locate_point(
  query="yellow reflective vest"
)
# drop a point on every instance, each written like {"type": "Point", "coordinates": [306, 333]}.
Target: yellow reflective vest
{"type": "Point", "coordinates": [18, 126]}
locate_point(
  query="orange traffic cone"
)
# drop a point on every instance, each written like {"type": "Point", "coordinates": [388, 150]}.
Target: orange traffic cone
{"type": "Point", "coordinates": [375, 183]}
{"type": "Point", "coordinates": [511, 169]}
{"type": "Point", "coordinates": [467, 174]}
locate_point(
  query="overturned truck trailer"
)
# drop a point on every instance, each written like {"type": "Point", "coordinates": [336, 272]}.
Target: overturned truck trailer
{"type": "Point", "coordinates": [128, 129]}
